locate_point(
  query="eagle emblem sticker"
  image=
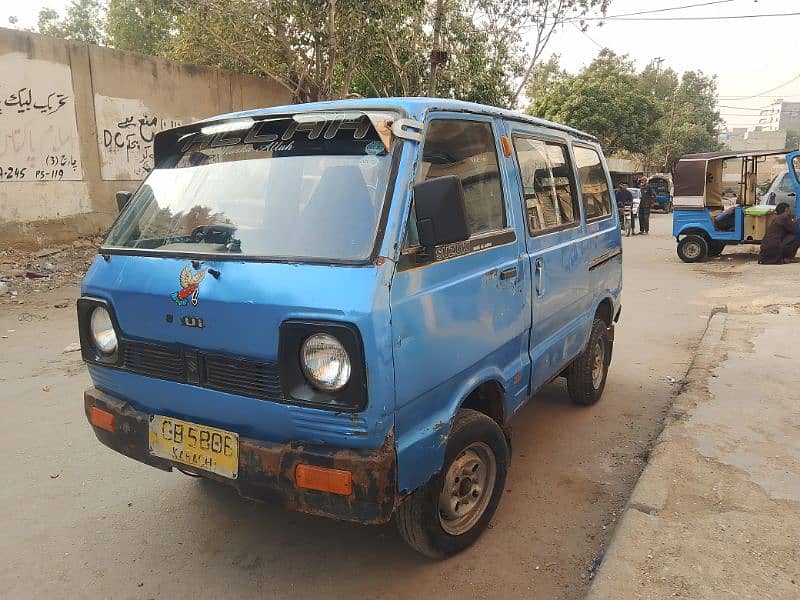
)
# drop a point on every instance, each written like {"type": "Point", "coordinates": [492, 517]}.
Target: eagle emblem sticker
{"type": "Point", "coordinates": [190, 287]}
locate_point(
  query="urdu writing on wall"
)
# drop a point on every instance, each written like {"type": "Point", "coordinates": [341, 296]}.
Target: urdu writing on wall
{"type": "Point", "coordinates": [126, 129]}
{"type": "Point", "coordinates": [38, 126]}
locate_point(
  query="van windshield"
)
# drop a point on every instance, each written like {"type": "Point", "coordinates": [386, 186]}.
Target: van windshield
{"type": "Point", "coordinates": [294, 188]}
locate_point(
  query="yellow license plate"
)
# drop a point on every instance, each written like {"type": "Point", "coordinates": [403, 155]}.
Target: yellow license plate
{"type": "Point", "coordinates": [198, 446]}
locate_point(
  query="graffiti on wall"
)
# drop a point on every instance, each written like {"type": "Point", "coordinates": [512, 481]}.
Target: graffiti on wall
{"type": "Point", "coordinates": [38, 127]}
{"type": "Point", "coordinates": [125, 132]}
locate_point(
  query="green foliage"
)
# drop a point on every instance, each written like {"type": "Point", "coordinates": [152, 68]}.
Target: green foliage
{"type": "Point", "coordinates": [604, 100]}
{"type": "Point", "coordinates": [143, 26]}
{"type": "Point", "coordinates": [690, 121]}
{"type": "Point", "coordinates": [321, 49]}
{"type": "Point", "coordinates": [82, 22]}
{"type": "Point", "coordinates": [653, 113]}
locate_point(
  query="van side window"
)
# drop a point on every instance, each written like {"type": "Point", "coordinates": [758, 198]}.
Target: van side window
{"type": "Point", "coordinates": [467, 149]}
{"type": "Point", "coordinates": [550, 200]}
{"type": "Point", "coordinates": [594, 186]}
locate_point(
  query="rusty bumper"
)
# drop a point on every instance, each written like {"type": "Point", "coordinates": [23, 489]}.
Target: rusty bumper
{"type": "Point", "coordinates": [267, 469]}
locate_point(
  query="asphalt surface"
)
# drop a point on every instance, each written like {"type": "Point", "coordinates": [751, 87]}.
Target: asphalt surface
{"type": "Point", "coordinates": [81, 521]}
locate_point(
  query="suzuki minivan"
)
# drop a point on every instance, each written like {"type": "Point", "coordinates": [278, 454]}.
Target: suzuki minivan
{"type": "Point", "coordinates": [340, 306]}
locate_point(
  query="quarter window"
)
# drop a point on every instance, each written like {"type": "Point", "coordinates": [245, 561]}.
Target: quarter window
{"type": "Point", "coordinates": [467, 149]}
{"type": "Point", "coordinates": [786, 183]}
{"type": "Point", "coordinates": [594, 185]}
{"type": "Point", "coordinates": [550, 200]}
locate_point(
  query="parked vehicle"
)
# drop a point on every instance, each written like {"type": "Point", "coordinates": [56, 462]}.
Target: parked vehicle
{"type": "Point", "coordinates": [340, 306]}
{"type": "Point", "coordinates": [630, 213]}
{"type": "Point", "coordinates": [662, 191]}
{"type": "Point", "coordinates": [781, 189]}
{"type": "Point", "coordinates": [701, 225]}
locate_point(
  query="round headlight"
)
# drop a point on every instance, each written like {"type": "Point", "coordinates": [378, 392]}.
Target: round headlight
{"type": "Point", "coordinates": [103, 334]}
{"type": "Point", "coordinates": [325, 362]}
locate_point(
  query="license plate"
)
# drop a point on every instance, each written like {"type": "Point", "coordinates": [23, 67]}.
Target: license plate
{"type": "Point", "coordinates": [198, 446]}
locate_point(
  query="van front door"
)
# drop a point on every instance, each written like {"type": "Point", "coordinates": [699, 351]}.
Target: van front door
{"type": "Point", "coordinates": [462, 316]}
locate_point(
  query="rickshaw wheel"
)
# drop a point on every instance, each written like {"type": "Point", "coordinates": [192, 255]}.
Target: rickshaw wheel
{"type": "Point", "coordinates": [693, 248]}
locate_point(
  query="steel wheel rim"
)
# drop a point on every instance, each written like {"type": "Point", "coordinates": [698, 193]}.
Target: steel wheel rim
{"type": "Point", "coordinates": [691, 249]}
{"type": "Point", "coordinates": [598, 364]}
{"type": "Point", "coordinates": [468, 487]}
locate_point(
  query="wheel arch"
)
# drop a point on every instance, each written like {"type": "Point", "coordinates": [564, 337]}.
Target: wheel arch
{"type": "Point", "coordinates": [605, 311]}
{"type": "Point", "coordinates": [421, 448]}
{"type": "Point", "coordinates": [693, 230]}
{"type": "Point", "coordinates": [489, 398]}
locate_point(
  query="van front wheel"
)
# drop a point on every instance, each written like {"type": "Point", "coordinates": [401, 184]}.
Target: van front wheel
{"type": "Point", "coordinates": [448, 514]}
{"type": "Point", "coordinates": [586, 376]}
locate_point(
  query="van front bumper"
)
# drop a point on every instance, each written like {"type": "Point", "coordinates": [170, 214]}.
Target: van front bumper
{"type": "Point", "coordinates": [267, 470]}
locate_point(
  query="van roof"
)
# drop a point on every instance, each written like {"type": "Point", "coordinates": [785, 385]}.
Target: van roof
{"type": "Point", "coordinates": [412, 106]}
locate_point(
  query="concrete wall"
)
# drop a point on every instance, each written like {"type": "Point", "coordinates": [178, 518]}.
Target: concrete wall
{"type": "Point", "coordinates": [77, 123]}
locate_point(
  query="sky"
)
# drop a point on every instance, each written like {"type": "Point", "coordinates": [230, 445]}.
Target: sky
{"type": "Point", "coordinates": [749, 56]}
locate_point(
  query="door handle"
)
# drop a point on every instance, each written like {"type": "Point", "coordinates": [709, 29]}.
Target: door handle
{"type": "Point", "coordinates": [537, 276]}
{"type": "Point", "coordinates": [508, 273]}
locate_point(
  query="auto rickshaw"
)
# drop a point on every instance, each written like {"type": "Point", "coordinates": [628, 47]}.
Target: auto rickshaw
{"type": "Point", "coordinates": [701, 224]}
{"type": "Point", "coordinates": [661, 185]}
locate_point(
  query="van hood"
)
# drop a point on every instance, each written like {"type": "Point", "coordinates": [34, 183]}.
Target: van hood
{"type": "Point", "coordinates": [228, 307]}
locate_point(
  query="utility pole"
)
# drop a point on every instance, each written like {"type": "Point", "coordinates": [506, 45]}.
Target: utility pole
{"type": "Point", "coordinates": [438, 54]}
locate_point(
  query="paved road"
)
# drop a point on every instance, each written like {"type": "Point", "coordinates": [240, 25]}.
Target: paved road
{"type": "Point", "coordinates": [80, 521]}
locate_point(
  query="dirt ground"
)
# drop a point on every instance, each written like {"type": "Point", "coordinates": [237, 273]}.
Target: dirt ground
{"type": "Point", "coordinates": [82, 521]}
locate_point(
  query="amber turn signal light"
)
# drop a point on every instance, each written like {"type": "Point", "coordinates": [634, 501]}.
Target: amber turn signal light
{"type": "Point", "coordinates": [508, 149]}
{"type": "Point", "coordinates": [334, 481]}
{"type": "Point", "coordinates": [102, 419]}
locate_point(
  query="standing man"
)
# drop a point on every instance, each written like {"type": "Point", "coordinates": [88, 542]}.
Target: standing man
{"type": "Point", "coordinates": [645, 203]}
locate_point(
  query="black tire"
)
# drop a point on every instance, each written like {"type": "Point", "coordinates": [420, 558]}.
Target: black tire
{"type": "Point", "coordinates": [419, 518]}
{"type": "Point", "coordinates": [584, 385]}
{"type": "Point", "coordinates": [693, 248]}
{"type": "Point", "coordinates": [715, 248]}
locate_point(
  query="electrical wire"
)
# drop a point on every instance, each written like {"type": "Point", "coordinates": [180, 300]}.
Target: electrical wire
{"type": "Point", "coordinates": [587, 36]}
{"type": "Point", "coordinates": [759, 95]}
{"type": "Point", "coordinates": [658, 10]}
{"type": "Point", "coordinates": [717, 18]}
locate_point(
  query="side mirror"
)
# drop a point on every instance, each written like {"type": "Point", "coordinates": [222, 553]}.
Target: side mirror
{"type": "Point", "coordinates": [441, 211]}
{"type": "Point", "coordinates": [122, 199]}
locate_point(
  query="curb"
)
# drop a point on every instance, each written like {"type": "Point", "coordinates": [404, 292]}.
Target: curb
{"type": "Point", "coordinates": [649, 496]}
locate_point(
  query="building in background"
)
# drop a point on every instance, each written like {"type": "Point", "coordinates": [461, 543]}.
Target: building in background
{"type": "Point", "coordinates": [740, 138]}
{"type": "Point", "coordinates": [781, 116]}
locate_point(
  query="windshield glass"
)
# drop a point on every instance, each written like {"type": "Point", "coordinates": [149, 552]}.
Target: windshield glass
{"type": "Point", "coordinates": [308, 187]}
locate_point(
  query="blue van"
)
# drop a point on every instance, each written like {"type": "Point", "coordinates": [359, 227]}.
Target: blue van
{"type": "Point", "coordinates": [340, 306]}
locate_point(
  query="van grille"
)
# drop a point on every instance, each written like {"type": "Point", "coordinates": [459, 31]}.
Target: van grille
{"type": "Point", "coordinates": [239, 376]}
{"type": "Point", "coordinates": [156, 361]}
{"type": "Point", "coordinates": [243, 377]}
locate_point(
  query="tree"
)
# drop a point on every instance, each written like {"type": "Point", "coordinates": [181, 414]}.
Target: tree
{"type": "Point", "coordinates": [691, 120]}
{"type": "Point", "coordinates": [604, 100]}
{"type": "Point", "coordinates": [82, 22]}
{"type": "Point", "coordinates": [544, 77]}
{"type": "Point", "coordinates": [143, 26]}
{"type": "Point", "coordinates": [520, 30]}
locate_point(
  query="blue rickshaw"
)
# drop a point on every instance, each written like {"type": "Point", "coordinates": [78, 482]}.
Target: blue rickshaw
{"type": "Point", "coordinates": [701, 224]}
{"type": "Point", "coordinates": [661, 185]}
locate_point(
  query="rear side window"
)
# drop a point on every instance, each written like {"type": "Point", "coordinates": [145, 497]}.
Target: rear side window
{"type": "Point", "coordinates": [467, 149]}
{"type": "Point", "coordinates": [594, 185]}
{"type": "Point", "coordinates": [550, 199]}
